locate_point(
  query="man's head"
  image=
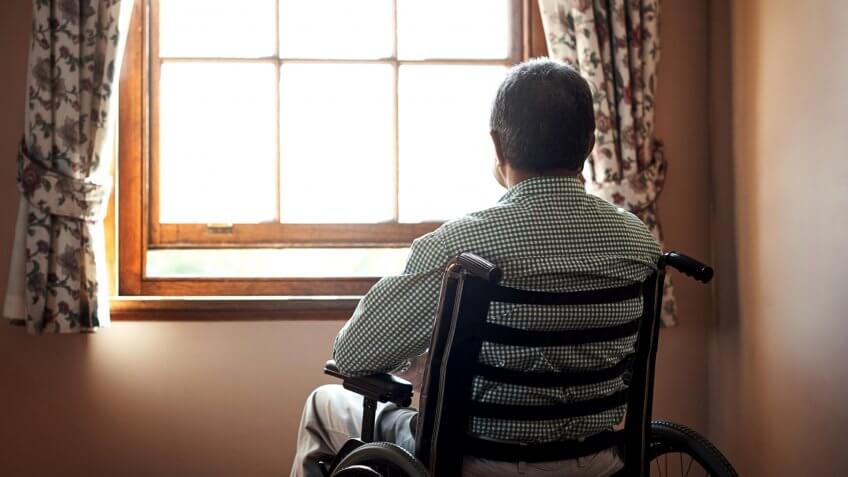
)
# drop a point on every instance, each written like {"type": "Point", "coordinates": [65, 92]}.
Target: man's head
{"type": "Point", "coordinates": [542, 121]}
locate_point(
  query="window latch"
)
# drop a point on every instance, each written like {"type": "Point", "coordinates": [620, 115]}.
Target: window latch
{"type": "Point", "coordinates": [219, 228]}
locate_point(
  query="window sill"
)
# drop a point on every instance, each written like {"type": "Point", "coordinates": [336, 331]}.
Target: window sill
{"type": "Point", "coordinates": [238, 308]}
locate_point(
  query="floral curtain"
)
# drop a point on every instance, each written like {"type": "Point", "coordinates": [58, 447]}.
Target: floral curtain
{"type": "Point", "coordinates": [56, 283]}
{"type": "Point", "coordinates": [615, 46]}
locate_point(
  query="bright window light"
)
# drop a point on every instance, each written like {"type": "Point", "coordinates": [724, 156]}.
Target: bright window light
{"type": "Point", "coordinates": [446, 155]}
{"type": "Point", "coordinates": [193, 28]}
{"type": "Point", "coordinates": [217, 142]}
{"type": "Point", "coordinates": [336, 29]}
{"type": "Point", "coordinates": [276, 263]}
{"type": "Point", "coordinates": [336, 137]}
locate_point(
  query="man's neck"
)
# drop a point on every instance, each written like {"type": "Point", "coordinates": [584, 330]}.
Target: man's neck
{"type": "Point", "coordinates": [516, 176]}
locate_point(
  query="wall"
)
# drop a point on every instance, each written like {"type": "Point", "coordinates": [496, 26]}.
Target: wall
{"type": "Point", "coordinates": [170, 398]}
{"type": "Point", "coordinates": [779, 353]}
{"type": "Point", "coordinates": [681, 122]}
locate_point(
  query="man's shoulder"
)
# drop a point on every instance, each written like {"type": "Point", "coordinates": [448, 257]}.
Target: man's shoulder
{"type": "Point", "coordinates": [592, 220]}
{"type": "Point", "coordinates": [618, 215]}
{"type": "Point", "coordinates": [627, 226]}
{"type": "Point", "coordinates": [477, 222]}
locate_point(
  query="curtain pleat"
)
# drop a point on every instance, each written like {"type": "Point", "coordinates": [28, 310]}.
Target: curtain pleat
{"type": "Point", "coordinates": [14, 307]}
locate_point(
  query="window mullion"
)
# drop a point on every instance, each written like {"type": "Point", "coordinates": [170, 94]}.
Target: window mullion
{"type": "Point", "coordinates": [278, 163]}
{"type": "Point", "coordinates": [395, 116]}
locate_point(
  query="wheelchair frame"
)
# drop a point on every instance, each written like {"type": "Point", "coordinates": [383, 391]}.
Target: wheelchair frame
{"type": "Point", "coordinates": [468, 277]}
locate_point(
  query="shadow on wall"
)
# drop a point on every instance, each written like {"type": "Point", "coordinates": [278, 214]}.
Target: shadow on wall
{"type": "Point", "coordinates": [158, 398]}
{"type": "Point", "coordinates": [725, 343]}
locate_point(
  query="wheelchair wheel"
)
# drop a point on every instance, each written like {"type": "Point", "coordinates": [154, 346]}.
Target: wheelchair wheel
{"type": "Point", "coordinates": [383, 459]}
{"type": "Point", "coordinates": [359, 471]}
{"type": "Point", "coordinates": [676, 450]}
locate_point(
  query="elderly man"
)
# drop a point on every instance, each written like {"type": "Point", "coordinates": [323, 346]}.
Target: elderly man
{"type": "Point", "coordinates": [546, 234]}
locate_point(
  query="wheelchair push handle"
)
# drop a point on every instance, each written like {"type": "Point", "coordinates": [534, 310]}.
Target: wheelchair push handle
{"type": "Point", "coordinates": [480, 267]}
{"type": "Point", "coordinates": [688, 265]}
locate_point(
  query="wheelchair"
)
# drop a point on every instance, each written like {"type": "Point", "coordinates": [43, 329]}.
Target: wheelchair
{"type": "Point", "coordinates": [469, 285]}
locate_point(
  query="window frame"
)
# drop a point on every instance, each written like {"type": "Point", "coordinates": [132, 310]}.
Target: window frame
{"type": "Point", "coordinates": [134, 231]}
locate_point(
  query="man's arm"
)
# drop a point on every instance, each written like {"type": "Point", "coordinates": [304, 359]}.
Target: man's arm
{"type": "Point", "coordinates": [394, 320]}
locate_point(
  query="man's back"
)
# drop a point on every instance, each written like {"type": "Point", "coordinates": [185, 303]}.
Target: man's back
{"type": "Point", "coordinates": [546, 234]}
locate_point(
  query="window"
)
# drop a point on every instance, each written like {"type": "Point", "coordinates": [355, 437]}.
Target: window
{"type": "Point", "coordinates": [296, 147]}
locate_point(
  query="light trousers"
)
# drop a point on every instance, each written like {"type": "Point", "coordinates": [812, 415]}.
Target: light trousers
{"type": "Point", "coordinates": [333, 415]}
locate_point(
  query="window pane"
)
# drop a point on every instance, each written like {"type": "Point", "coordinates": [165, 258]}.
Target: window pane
{"type": "Point", "coordinates": [277, 263]}
{"type": "Point", "coordinates": [336, 139]}
{"type": "Point", "coordinates": [217, 142]}
{"type": "Point", "coordinates": [454, 29]}
{"type": "Point", "coordinates": [336, 28]}
{"type": "Point", "coordinates": [220, 28]}
{"type": "Point", "coordinates": [444, 140]}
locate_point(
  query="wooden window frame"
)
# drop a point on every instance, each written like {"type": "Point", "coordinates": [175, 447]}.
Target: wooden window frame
{"type": "Point", "coordinates": [135, 232]}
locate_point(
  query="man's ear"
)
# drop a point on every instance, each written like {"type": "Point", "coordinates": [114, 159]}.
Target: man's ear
{"type": "Point", "coordinates": [589, 153]}
{"type": "Point", "coordinates": [591, 144]}
{"type": "Point", "coordinates": [498, 149]}
{"type": "Point", "coordinates": [499, 170]}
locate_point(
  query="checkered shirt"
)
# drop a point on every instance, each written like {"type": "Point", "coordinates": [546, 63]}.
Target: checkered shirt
{"type": "Point", "coordinates": [546, 234]}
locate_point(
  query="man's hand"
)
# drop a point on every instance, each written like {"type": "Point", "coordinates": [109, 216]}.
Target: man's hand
{"type": "Point", "coordinates": [414, 373]}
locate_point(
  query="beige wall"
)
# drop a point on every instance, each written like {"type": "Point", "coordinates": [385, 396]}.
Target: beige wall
{"type": "Point", "coordinates": [780, 382]}
{"type": "Point", "coordinates": [681, 122]}
{"type": "Point", "coordinates": [171, 398]}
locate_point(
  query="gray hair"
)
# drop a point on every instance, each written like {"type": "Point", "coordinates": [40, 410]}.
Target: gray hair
{"type": "Point", "coordinates": [543, 116]}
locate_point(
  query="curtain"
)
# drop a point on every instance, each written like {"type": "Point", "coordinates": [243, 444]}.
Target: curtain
{"type": "Point", "coordinates": [57, 280]}
{"type": "Point", "coordinates": [614, 44]}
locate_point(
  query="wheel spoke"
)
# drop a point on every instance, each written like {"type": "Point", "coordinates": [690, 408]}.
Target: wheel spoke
{"type": "Point", "coordinates": [686, 468]}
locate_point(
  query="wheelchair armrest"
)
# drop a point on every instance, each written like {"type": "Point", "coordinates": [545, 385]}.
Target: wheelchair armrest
{"type": "Point", "coordinates": [382, 387]}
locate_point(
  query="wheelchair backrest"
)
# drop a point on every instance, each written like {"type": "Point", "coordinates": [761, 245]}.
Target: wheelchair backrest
{"type": "Point", "coordinates": [470, 285]}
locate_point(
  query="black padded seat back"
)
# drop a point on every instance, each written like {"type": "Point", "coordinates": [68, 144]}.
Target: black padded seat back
{"type": "Point", "coordinates": [468, 288]}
